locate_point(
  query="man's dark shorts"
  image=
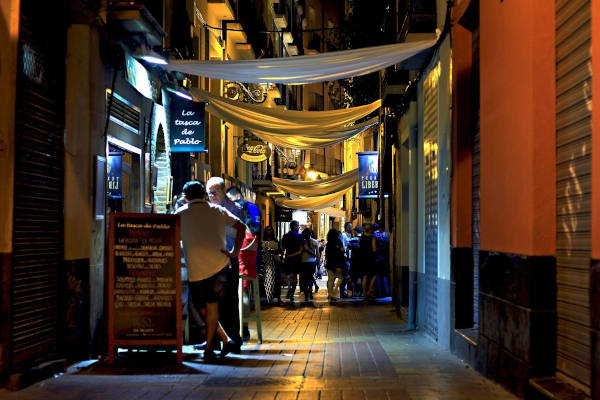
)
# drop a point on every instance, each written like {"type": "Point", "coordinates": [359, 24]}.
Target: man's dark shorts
{"type": "Point", "coordinates": [209, 290]}
{"type": "Point", "coordinates": [292, 265]}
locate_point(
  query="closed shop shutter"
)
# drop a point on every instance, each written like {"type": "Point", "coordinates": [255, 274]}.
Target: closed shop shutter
{"type": "Point", "coordinates": [573, 187]}
{"type": "Point", "coordinates": [430, 132]}
{"type": "Point", "coordinates": [38, 191]}
{"type": "Point", "coordinates": [476, 193]}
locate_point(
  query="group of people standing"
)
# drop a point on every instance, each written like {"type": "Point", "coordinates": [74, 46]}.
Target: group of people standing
{"type": "Point", "coordinates": [219, 241]}
{"type": "Point", "coordinates": [356, 260]}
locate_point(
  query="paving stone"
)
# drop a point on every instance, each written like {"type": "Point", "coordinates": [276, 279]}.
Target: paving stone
{"type": "Point", "coordinates": [323, 352]}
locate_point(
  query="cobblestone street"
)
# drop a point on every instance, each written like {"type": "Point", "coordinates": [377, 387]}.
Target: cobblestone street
{"type": "Point", "coordinates": [327, 352]}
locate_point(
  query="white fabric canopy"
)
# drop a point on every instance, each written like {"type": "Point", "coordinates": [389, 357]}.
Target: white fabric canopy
{"type": "Point", "coordinates": [304, 69]}
{"type": "Point", "coordinates": [318, 187]}
{"type": "Point", "coordinates": [314, 140]}
{"type": "Point", "coordinates": [275, 120]}
{"type": "Point", "coordinates": [312, 203]}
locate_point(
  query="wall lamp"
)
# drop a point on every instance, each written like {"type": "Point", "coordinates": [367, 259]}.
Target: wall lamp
{"type": "Point", "coordinates": [181, 93]}
{"type": "Point", "coordinates": [150, 56]}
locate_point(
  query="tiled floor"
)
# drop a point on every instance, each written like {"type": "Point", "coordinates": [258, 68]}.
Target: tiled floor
{"type": "Point", "coordinates": [345, 351]}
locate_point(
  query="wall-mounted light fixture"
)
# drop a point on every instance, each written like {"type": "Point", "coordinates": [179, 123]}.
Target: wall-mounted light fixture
{"type": "Point", "coordinates": [150, 56]}
{"type": "Point", "coordinates": [181, 93]}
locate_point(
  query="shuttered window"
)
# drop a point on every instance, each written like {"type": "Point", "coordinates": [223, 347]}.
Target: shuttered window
{"type": "Point", "coordinates": [573, 187]}
{"type": "Point", "coordinates": [38, 190]}
{"type": "Point", "coordinates": [476, 192]}
{"type": "Point", "coordinates": [122, 113]}
{"type": "Point", "coordinates": [430, 150]}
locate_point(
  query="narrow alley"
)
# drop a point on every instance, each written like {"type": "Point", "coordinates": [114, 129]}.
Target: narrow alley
{"type": "Point", "coordinates": [328, 352]}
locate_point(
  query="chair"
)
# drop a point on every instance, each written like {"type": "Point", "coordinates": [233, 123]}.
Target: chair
{"type": "Point", "coordinates": [256, 295]}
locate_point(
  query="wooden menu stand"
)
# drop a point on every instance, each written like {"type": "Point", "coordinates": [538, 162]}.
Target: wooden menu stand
{"type": "Point", "coordinates": [144, 282]}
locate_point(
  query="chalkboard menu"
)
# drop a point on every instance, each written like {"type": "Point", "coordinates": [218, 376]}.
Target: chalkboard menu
{"type": "Point", "coordinates": [144, 282]}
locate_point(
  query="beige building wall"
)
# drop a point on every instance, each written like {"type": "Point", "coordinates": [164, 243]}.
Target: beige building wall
{"type": "Point", "coordinates": [9, 32]}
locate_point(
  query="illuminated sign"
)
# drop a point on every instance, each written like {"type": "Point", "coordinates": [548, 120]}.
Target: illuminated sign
{"type": "Point", "coordinates": [368, 175]}
{"type": "Point", "coordinates": [115, 174]}
{"type": "Point", "coordinates": [254, 151]}
{"type": "Point", "coordinates": [187, 126]}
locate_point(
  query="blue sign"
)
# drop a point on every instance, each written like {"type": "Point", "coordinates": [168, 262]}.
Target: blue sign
{"type": "Point", "coordinates": [187, 126]}
{"type": "Point", "coordinates": [115, 174]}
{"type": "Point", "coordinates": [368, 175]}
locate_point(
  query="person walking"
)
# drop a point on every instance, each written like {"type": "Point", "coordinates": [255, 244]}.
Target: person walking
{"type": "Point", "coordinates": [346, 280]}
{"type": "Point", "coordinates": [207, 257]}
{"type": "Point", "coordinates": [309, 261]}
{"type": "Point", "coordinates": [356, 270]}
{"type": "Point", "coordinates": [293, 244]}
{"type": "Point", "coordinates": [367, 249]}
{"type": "Point", "coordinates": [334, 260]}
{"type": "Point", "coordinates": [382, 258]}
{"type": "Point", "coordinates": [271, 265]}
{"type": "Point", "coordinates": [229, 305]}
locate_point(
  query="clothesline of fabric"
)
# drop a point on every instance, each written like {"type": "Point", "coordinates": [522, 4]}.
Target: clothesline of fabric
{"type": "Point", "coordinates": [312, 203]}
{"type": "Point", "coordinates": [304, 69]}
{"type": "Point", "coordinates": [281, 121]}
{"type": "Point", "coordinates": [320, 186]}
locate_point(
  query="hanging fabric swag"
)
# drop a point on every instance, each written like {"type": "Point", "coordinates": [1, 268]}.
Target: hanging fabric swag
{"type": "Point", "coordinates": [304, 69]}
{"type": "Point", "coordinates": [312, 203]}
{"type": "Point", "coordinates": [318, 187]}
{"type": "Point", "coordinates": [275, 120]}
{"type": "Point", "coordinates": [314, 140]}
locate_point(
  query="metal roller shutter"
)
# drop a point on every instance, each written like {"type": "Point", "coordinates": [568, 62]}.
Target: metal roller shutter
{"type": "Point", "coordinates": [38, 210]}
{"type": "Point", "coordinates": [573, 188]}
{"type": "Point", "coordinates": [476, 193]}
{"type": "Point", "coordinates": [430, 129]}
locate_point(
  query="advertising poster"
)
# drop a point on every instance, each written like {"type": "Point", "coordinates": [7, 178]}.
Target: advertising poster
{"type": "Point", "coordinates": [368, 175]}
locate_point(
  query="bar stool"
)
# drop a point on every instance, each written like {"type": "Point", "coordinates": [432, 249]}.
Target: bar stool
{"type": "Point", "coordinates": [256, 295]}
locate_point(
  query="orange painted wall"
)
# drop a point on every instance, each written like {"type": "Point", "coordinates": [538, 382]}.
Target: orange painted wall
{"type": "Point", "coordinates": [595, 130]}
{"type": "Point", "coordinates": [518, 181]}
{"type": "Point", "coordinates": [462, 126]}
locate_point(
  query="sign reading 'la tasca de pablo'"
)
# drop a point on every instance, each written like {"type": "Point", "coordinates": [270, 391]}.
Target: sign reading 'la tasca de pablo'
{"type": "Point", "coordinates": [187, 126]}
{"type": "Point", "coordinates": [254, 151]}
{"type": "Point", "coordinates": [368, 175]}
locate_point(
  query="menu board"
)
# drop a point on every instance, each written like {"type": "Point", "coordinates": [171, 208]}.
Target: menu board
{"type": "Point", "coordinates": [144, 282]}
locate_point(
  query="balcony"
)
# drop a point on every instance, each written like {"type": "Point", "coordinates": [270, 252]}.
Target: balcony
{"type": "Point", "coordinates": [220, 10]}
{"type": "Point", "coordinates": [280, 15]}
{"type": "Point", "coordinates": [330, 167]}
{"type": "Point", "coordinates": [394, 84]}
{"type": "Point", "coordinates": [136, 20]}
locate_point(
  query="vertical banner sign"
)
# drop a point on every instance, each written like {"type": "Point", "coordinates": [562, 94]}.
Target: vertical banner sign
{"type": "Point", "coordinates": [115, 174]}
{"type": "Point", "coordinates": [187, 126]}
{"type": "Point", "coordinates": [144, 281]}
{"type": "Point", "coordinates": [368, 175]}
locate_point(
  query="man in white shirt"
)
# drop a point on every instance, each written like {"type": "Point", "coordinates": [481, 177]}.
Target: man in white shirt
{"type": "Point", "coordinates": [229, 305]}
{"type": "Point", "coordinates": [203, 232]}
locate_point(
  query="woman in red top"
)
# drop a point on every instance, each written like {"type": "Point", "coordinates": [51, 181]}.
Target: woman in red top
{"type": "Point", "coordinates": [247, 257]}
{"type": "Point", "coordinates": [247, 261]}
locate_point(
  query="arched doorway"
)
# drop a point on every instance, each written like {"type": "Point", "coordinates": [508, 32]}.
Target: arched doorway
{"type": "Point", "coordinates": [162, 169]}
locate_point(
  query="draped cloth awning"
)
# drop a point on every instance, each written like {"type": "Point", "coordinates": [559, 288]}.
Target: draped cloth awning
{"type": "Point", "coordinates": [312, 203]}
{"type": "Point", "coordinates": [315, 140]}
{"type": "Point", "coordinates": [275, 120]}
{"type": "Point", "coordinates": [304, 69]}
{"type": "Point", "coordinates": [318, 187]}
